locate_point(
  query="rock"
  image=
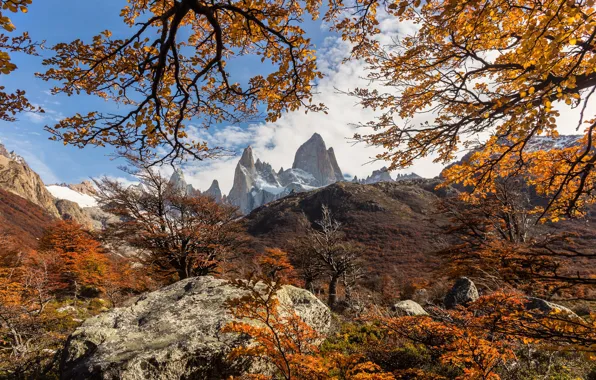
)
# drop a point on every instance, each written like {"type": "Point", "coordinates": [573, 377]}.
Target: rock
{"type": "Point", "coordinates": [85, 187]}
{"type": "Point", "coordinates": [66, 309]}
{"type": "Point", "coordinates": [314, 158]}
{"type": "Point", "coordinates": [409, 308]}
{"type": "Point", "coordinates": [339, 176]}
{"type": "Point", "coordinates": [381, 175]}
{"type": "Point", "coordinates": [17, 177]}
{"type": "Point", "coordinates": [179, 183]}
{"type": "Point", "coordinates": [243, 182]}
{"type": "Point", "coordinates": [546, 306]}
{"type": "Point", "coordinates": [463, 292]}
{"type": "Point", "coordinates": [214, 191]}
{"type": "Point", "coordinates": [71, 211]}
{"type": "Point", "coordinates": [173, 333]}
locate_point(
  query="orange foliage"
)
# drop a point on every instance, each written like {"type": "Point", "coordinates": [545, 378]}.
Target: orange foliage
{"type": "Point", "coordinates": [276, 266]}
{"type": "Point", "coordinates": [166, 85]}
{"type": "Point", "coordinates": [483, 337]}
{"type": "Point", "coordinates": [284, 341]}
{"type": "Point", "coordinates": [12, 103]}
{"type": "Point", "coordinates": [77, 257]}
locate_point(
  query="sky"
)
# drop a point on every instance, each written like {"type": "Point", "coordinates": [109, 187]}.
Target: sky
{"type": "Point", "coordinates": [65, 20]}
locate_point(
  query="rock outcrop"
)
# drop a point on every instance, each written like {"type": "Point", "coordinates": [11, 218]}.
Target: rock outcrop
{"type": "Point", "coordinates": [174, 333]}
{"type": "Point", "coordinates": [243, 182]}
{"type": "Point", "coordinates": [71, 211]}
{"type": "Point", "coordinates": [463, 292]}
{"type": "Point", "coordinates": [314, 158]}
{"type": "Point", "coordinates": [408, 308]}
{"type": "Point", "coordinates": [85, 187]}
{"type": "Point", "coordinates": [179, 183]}
{"type": "Point", "coordinates": [214, 192]}
{"type": "Point", "coordinates": [18, 178]}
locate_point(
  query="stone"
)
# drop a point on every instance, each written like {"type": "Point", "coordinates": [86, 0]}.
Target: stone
{"type": "Point", "coordinates": [408, 308]}
{"type": "Point", "coordinates": [546, 306]}
{"type": "Point", "coordinates": [463, 292]}
{"type": "Point", "coordinates": [70, 210]}
{"type": "Point", "coordinates": [256, 183]}
{"type": "Point", "coordinates": [174, 333]}
{"type": "Point", "coordinates": [179, 183]}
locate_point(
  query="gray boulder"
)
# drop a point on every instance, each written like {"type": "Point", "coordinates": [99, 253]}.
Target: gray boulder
{"type": "Point", "coordinates": [174, 333]}
{"type": "Point", "coordinates": [408, 308]}
{"type": "Point", "coordinates": [463, 292]}
{"type": "Point", "coordinates": [546, 306]}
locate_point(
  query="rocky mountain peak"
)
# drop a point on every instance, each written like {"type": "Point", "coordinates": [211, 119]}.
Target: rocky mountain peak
{"type": "Point", "coordinates": [256, 183]}
{"type": "Point", "coordinates": [313, 157]}
{"type": "Point", "coordinates": [247, 159]}
{"type": "Point", "coordinates": [11, 155]}
{"type": "Point", "coordinates": [179, 183]}
{"type": "Point", "coordinates": [214, 191]}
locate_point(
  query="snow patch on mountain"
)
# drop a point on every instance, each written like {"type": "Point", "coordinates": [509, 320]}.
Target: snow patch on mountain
{"type": "Point", "coordinates": [63, 192]}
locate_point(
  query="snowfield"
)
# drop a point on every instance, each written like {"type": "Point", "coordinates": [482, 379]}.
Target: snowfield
{"type": "Point", "coordinates": [62, 192]}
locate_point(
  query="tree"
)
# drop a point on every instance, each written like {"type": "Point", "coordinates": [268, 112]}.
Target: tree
{"type": "Point", "coordinates": [13, 103]}
{"type": "Point", "coordinates": [337, 257]}
{"type": "Point", "coordinates": [282, 339]}
{"type": "Point", "coordinates": [181, 235]}
{"type": "Point", "coordinates": [493, 68]}
{"type": "Point", "coordinates": [275, 265]}
{"type": "Point", "coordinates": [497, 240]}
{"type": "Point", "coordinates": [175, 67]}
{"type": "Point", "coordinates": [27, 287]}
{"type": "Point", "coordinates": [77, 257]}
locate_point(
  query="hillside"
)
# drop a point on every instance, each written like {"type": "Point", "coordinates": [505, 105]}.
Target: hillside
{"type": "Point", "coordinates": [396, 222]}
{"type": "Point", "coordinates": [22, 218]}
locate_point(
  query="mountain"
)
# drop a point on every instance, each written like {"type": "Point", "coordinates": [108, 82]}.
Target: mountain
{"type": "Point", "coordinates": [383, 175]}
{"type": "Point", "coordinates": [256, 183]}
{"type": "Point", "coordinates": [396, 222]}
{"type": "Point", "coordinates": [82, 196]}
{"type": "Point", "coordinates": [179, 182]}
{"type": "Point", "coordinates": [18, 178]}
{"type": "Point", "coordinates": [214, 191]}
{"type": "Point", "coordinates": [314, 158]}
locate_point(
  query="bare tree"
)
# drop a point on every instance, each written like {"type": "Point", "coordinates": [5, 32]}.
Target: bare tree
{"type": "Point", "coordinates": [183, 234]}
{"type": "Point", "coordinates": [324, 250]}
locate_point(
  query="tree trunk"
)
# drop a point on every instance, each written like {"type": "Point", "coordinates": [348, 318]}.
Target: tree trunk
{"type": "Point", "coordinates": [332, 291]}
{"type": "Point", "coordinates": [308, 285]}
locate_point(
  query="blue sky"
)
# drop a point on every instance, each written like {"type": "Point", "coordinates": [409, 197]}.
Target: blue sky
{"type": "Point", "coordinates": [63, 21]}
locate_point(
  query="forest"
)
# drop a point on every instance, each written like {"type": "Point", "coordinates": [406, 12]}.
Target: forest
{"type": "Point", "coordinates": [506, 286]}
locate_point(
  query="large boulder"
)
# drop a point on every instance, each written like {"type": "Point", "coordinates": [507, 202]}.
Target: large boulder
{"type": "Point", "coordinates": [463, 292]}
{"type": "Point", "coordinates": [547, 307]}
{"type": "Point", "coordinates": [408, 308]}
{"type": "Point", "coordinates": [174, 333]}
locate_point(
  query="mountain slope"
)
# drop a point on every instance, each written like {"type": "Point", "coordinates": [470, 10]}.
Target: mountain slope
{"type": "Point", "coordinates": [18, 178]}
{"type": "Point", "coordinates": [23, 219]}
{"type": "Point", "coordinates": [395, 221]}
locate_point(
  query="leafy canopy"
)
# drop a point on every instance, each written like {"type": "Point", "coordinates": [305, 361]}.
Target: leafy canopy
{"type": "Point", "coordinates": [483, 68]}
{"type": "Point", "coordinates": [172, 69]}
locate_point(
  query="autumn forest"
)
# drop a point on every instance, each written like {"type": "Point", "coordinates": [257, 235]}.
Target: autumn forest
{"type": "Point", "coordinates": [486, 271]}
